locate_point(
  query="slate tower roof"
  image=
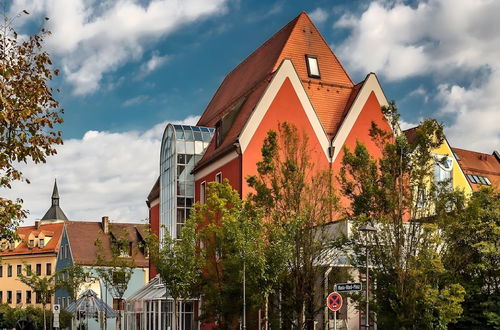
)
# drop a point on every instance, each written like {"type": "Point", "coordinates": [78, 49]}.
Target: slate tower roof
{"type": "Point", "coordinates": [55, 213]}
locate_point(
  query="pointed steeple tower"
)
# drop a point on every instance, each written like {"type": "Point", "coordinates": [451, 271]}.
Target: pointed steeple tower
{"type": "Point", "coordinates": [54, 213]}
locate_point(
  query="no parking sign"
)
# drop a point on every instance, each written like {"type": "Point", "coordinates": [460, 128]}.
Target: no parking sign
{"type": "Point", "coordinates": [334, 301]}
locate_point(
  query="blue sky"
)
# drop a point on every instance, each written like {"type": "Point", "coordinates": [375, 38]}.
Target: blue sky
{"type": "Point", "coordinates": [128, 67]}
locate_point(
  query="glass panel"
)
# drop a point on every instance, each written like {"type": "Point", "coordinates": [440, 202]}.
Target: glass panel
{"type": "Point", "coordinates": [197, 136]}
{"type": "Point", "coordinates": [181, 149]}
{"type": "Point", "coordinates": [190, 189]}
{"type": "Point", "coordinates": [195, 128]}
{"type": "Point", "coordinates": [190, 147]}
{"type": "Point", "coordinates": [181, 158]}
{"type": "Point", "coordinates": [188, 135]}
{"type": "Point", "coordinates": [189, 202]}
{"type": "Point", "coordinates": [180, 170]}
{"type": "Point", "coordinates": [198, 147]}
{"type": "Point", "coordinates": [204, 129]}
{"type": "Point", "coordinates": [207, 137]}
{"type": "Point", "coordinates": [181, 188]}
{"type": "Point", "coordinates": [313, 66]}
{"type": "Point", "coordinates": [180, 201]}
{"type": "Point", "coordinates": [180, 135]}
{"type": "Point", "coordinates": [488, 182]}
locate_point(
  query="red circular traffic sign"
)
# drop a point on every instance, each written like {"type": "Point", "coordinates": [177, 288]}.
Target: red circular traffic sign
{"type": "Point", "coordinates": [334, 301]}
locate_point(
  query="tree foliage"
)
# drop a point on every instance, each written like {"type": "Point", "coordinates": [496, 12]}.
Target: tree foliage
{"type": "Point", "coordinates": [397, 194]}
{"type": "Point", "coordinates": [28, 112]}
{"type": "Point", "coordinates": [72, 279]}
{"type": "Point", "coordinates": [297, 201]}
{"type": "Point", "coordinates": [234, 245]}
{"type": "Point", "coordinates": [178, 263]}
{"type": "Point", "coordinates": [9, 316]}
{"type": "Point", "coordinates": [473, 258]}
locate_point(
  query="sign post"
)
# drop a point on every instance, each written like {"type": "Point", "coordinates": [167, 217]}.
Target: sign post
{"type": "Point", "coordinates": [334, 303]}
{"type": "Point", "coordinates": [56, 309]}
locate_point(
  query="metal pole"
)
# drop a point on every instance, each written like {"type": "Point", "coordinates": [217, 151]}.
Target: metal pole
{"type": "Point", "coordinates": [335, 320]}
{"type": "Point", "coordinates": [367, 324]}
{"type": "Point", "coordinates": [244, 298]}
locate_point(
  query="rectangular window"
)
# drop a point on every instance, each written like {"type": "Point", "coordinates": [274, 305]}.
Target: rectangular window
{"type": "Point", "coordinates": [28, 296]}
{"type": "Point", "coordinates": [31, 243]}
{"type": "Point", "coordinates": [218, 177]}
{"type": "Point", "coordinates": [203, 190]}
{"type": "Point", "coordinates": [471, 178]}
{"type": "Point", "coordinates": [48, 269]}
{"type": "Point", "coordinates": [38, 269]}
{"type": "Point", "coordinates": [66, 251]}
{"type": "Point", "coordinates": [28, 270]}
{"type": "Point", "coordinates": [41, 243]}
{"type": "Point", "coordinates": [19, 270]}
{"type": "Point", "coordinates": [1, 297]}
{"type": "Point", "coordinates": [38, 297]}
{"type": "Point", "coordinates": [218, 133]}
{"type": "Point", "coordinates": [9, 271]}
{"type": "Point", "coordinates": [312, 66]}
{"type": "Point", "coordinates": [1, 270]}
{"type": "Point", "coordinates": [9, 297]}
{"type": "Point", "coordinates": [19, 297]}
{"type": "Point", "coordinates": [488, 182]}
{"type": "Point", "coordinates": [443, 170]}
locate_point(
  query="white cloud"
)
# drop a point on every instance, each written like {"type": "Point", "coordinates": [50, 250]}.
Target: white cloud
{"type": "Point", "coordinates": [419, 92]}
{"type": "Point", "coordinates": [318, 15]}
{"type": "Point", "coordinates": [153, 63]}
{"type": "Point", "coordinates": [445, 39]}
{"type": "Point", "coordinates": [101, 174]}
{"type": "Point", "coordinates": [135, 100]}
{"type": "Point", "coordinates": [93, 38]}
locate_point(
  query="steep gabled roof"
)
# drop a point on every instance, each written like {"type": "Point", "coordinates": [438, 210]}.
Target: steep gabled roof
{"type": "Point", "coordinates": [479, 164]}
{"type": "Point", "coordinates": [83, 234]}
{"type": "Point", "coordinates": [331, 95]}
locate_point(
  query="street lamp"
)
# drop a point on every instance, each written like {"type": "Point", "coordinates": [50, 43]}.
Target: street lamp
{"type": "Point", "coordinates": [367, 228]}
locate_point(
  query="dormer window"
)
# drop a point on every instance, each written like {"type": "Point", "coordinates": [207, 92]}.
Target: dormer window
{"type": "Point", "coordinates": [41, 243]}
{"type": "Point", "coordinates": [31, 243]}
{"type": "Point", "coordinates": [218, 133]}
{"type": "Point", "coordinates": [312, 66]}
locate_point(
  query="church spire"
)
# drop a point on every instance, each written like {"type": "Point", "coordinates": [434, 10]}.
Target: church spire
{"type": "Point", "coordinates": [55, 194]}
{"type": "Point", "coordinates": [54, 213]}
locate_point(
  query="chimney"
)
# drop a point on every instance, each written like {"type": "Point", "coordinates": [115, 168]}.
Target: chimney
{"type": "Point", "coordinates": [37, 224]}
{"type": "Point", "coordinates": [105, 224]}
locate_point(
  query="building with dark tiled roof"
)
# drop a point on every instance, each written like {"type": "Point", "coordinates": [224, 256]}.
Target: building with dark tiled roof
{"type": "Point", "coordinates": [480, 169]}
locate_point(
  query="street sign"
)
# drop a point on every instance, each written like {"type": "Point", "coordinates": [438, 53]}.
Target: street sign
{"type": "Point", "coordinates": [56, 308]}
{"type": "Point", "coordinates": [56, 319]}
{"type": "Point", "coordinates": [334, 301]}
{"type": "Point", "coordinates": [347, 287]}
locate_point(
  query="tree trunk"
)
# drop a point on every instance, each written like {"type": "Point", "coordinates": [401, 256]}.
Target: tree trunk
{"type": "Point", "coordinates": [44, 320]}
{"type": "Point", "coordinates": [266, 312]}
{"type": "Point", "coordinates": [176, 314]}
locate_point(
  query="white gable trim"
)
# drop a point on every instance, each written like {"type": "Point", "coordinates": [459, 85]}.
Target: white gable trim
{"type": "Point", "coordinates": [213, 166]}
{"type": "Point", "coordinates": [286, 70]}
{"type": "Point", "coordinates": [371, 84]}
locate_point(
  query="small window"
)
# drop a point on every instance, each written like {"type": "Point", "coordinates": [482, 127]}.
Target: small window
{"type": "Point", "coordinates": [48, 269]}
{"type": "Point", "coordinates": [28, 270]}
{"type": "Point", "coordinates": [312, 66]}
{"type": "Point", "coordinates": [1, 297]}
{"type": "Point", "coordinates": [471, 178]}
{"type": "Point", "coordinates": [18, 297]}
{"type": "Point", "coordinates": [38, 298]}
{"type": "Point", "coordinates": [488, 182]}
{"type": "Point", "coordinates": [38, 269]}
{"type": "Point", "coordinates": [1, 271]}
{"type": "Point", "coordinates": [28, 297]}
{"type": "Point", "coordinates": [19, 270]}
{"type": "Point", "coordinates": [476, 178]}
{"type": "Point", "coordinates": [483, 181]}
{"type": "Point", "coordinates": [218, 177]}
{"type": "Point", "coordinates": [9, 271]}
{"type": "Point", "coordinates": [9, 297]}
{"type": "Point", "coordinates": [203, 190]}
{"type": "Point", "coordinates": [41, 243]}
{"type": "Point", "coordinates": [31, 243]}
{"type": "Point", "coordinates": [218, 133]}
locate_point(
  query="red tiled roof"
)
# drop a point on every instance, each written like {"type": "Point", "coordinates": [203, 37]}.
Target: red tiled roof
{"type": "Point", "coordinates": [49, 229]}
{"type": "Point", "coordinates": [478, 163]}
{"type": "Point", "coordinates": [83, 234]}
{"type": "Point", "coordinates": [331, 96]}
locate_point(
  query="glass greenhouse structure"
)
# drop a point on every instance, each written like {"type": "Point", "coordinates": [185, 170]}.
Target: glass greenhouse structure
{"type": "Point", "coordinates": [182, 147]}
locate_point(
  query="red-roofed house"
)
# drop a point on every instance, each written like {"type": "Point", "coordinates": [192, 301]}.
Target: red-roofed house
{"type": "Point", "coordinates": [480, 169]}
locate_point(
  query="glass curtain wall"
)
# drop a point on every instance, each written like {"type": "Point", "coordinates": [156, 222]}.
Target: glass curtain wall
{"type": "Point", "coordinates": [182, 147]}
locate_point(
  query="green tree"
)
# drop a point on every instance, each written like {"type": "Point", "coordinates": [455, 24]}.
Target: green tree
{"type": "Point", "coordinates": [28, 113]}
{"type": "Point", "coordinates": [473, 258]}
{"type": "Point", "coordinates": [234, 244]}
{"type": "Point", "coordinates": [115, 270]}
{"type": "Point", "coordinates": [298, 201]}
{"type": "Point", "coordinates": [43, 286]}
{"type": "Point", "coordinates": [397, 194]}
{"type": "Point", "coordinates": [178, 263]}
{"type": "Point", "coordinates": [72, 279]}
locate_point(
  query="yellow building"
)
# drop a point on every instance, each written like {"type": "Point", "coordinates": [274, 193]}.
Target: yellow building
{"type": "Point", "coordinates": [34, 252]}
{"type": "Point", "coordinates": [451, 170]}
